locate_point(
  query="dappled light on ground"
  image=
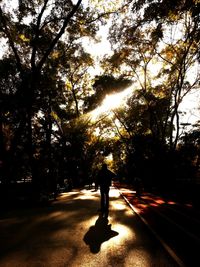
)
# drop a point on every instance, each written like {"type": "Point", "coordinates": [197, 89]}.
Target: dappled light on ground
{"type": "Point", "coordinates": [118, 206]}
{"type": "Point", "coordinates": [173, 203]}
{"type": "Point", "coordinates": [124, 233]}
{"type": "Point", "coordinates": [85, 197]}
{"type": "Point", "coordinates": [114, 193]}
{"type": "Point", "coordinates": [71, 232]}
{"type": "Point", "coordinates": [142, 202]}
{"type": "Point", "coordinates": [66, 194]}
{"type": "Point", "coordinates": [124, 190]}
{"type": "Point", "coordinates": [140, 208]}
{"type": "Point", "coordinates": [138, 258]}
{"type": "Point", "coordinates": [156, 199]}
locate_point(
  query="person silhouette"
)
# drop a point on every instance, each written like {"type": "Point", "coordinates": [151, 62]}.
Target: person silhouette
{"type": "Point", "coordinates": [104, 182]}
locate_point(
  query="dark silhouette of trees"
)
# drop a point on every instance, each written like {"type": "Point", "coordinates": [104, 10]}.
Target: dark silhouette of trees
{"type": "Point", "coordinates": [48, 92]}
{"type": "Point", "coordinates": [103, 85]}
{"type": "Point", "coordinates": [165, 33]}
{"type": "Point", "coordinates": [43, 60]}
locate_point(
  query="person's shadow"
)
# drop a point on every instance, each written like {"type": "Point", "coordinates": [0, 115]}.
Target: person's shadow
{"type": "Point", "coordinates": [99, 233]}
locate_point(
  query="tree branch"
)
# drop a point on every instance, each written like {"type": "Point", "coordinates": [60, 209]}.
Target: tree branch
{"type": "Point", "coordinates": [37, 31]}
{"type": "Point", "coordinates": [11, 42]}
{"type": "Point", "coordinates": [60, 33]}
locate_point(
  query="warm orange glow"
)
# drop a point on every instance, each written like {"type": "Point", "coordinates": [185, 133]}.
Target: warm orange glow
{"type": "Point", "coordinates": [171, 202]}
{"type": "Point", "coordinates": [119, 206]}
{"type": "Point", "coordinates": [188, 205]}
{"type": "Point", "coordinates": [125, 191]}
{"type": "Point", "coordinates": [156, 199]}
{"type": "Point", "coordinates": [143, 206]}
{"type": "Point", "coordinates": [111, 102]}
{"type": "Point", "coordinates": [154, 205]}
{"type": "Point", "coordinates": [147, 197]}
{"type": "Point", "coordinates": [140, 208]}
{"type": "Point", "coordinates": [160, 201]}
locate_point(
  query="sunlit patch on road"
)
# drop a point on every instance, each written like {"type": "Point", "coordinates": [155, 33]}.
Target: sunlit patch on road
{"type": "Point", "coordinates": [124, 190]}
{"type": "Point", "coordinates": [114, 193]}
{"type": "Point", "coordinates": [138, 258]}
{"type": "Point", "coordinates": [141, 208]}
{"type": "Point", "coordinates": [65, 194]}
{"type": "Point", "coordinates": [85, 197]}
{"type": "Point", "coordinates": [118, 206]}
{"type": "Point", "coordinates": [125, 233]}
{"type": "Point", "coordinates": [55, 214]}
{"type": "Point", "coordinates": [171, 203]}
{"type": "Point", "coordinates": [187, 205]}
{"type": "Point", "coordinates": [71, 232]}
{"type": "Point", "coordinates": [159, 201]}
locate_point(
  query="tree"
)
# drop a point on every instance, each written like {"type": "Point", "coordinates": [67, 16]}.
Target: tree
{"type": "Point", "coordinates": [144, 37]}
{"type": "Point", "coordinates": [78, 79]}
{"type": "Point", "coordinates": [103, 85]}
{"type": "Point", "coordinates": [141, 40]}
{"type": "Point", "coordinates": [41, 39]}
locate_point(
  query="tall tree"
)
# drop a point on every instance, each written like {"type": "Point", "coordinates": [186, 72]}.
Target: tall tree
{"type": "Point", "coordinates": [38, 35]}
{"type": "Point", "coordinates": [168, 38]}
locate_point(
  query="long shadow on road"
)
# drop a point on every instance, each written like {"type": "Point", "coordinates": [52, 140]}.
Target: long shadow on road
{"type": "Point", "coordinates": [71, 233]}
{"type": "Point", "coordinates": [99, 233]}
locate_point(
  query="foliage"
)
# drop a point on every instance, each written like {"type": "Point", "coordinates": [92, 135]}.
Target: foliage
{"type": "Point", "coordinates": [47, 90]}
{"type": "Point", "coordinates": [43, 60]}
{"type": "Point", "coordinates": [105, 85]}
{"type": "Point", "coordinates": [150, 34]}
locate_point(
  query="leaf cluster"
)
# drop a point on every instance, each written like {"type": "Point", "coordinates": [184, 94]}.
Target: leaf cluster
{"type": "Point", "coordinates": [105, 85]}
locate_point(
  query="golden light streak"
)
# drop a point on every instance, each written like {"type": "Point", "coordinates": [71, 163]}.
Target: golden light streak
{"type": "Point", "coordinates": [111, 102]}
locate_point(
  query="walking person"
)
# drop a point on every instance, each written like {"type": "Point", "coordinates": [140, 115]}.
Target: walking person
{"type": "Point", "coordinates": [104, 182]}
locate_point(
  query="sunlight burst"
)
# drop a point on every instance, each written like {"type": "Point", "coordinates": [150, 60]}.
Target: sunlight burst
{"type": "Point", "coordinates": [111, 102]}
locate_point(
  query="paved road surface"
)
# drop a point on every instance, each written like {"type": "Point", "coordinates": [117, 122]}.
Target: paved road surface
{"type": "Point", "coordinates": [71, 233]}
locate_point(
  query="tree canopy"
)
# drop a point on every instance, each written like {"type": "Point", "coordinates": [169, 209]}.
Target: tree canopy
{"type": "Point", "coordinates": [48, 90]}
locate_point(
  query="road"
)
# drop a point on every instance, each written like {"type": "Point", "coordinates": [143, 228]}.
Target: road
{"type": "Point", "coordinates": [70, 232]}
{"type": "Point", "coordinates": [175, 223]}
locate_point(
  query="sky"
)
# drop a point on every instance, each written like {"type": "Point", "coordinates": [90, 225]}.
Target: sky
{"type": "Point", "coordinates": [191, 105]}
